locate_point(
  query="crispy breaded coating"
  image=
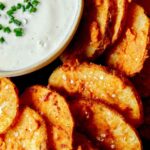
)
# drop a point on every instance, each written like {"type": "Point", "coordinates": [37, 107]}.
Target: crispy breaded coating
{"type": "Point", "coordinates": [97, 82]}
{"type": "Point", "coordinates": [121, 9]}
{"type": "Point", "coordinates": [104, 125]}
{"type": "Point", "coordinates": [83, 143]}
{"type": "Point", "coordinates": [8, 104]}
{"type": "Point", "coordinates": [59, 139]}
{"type": "Point", "coordinates": [101, 25]}
{"type": "Point", "coordinates": [29, 133]}
{"type": "Point", "coordinates": [129, 54]}
{"type": "Point", "coordinates": [54, 109]}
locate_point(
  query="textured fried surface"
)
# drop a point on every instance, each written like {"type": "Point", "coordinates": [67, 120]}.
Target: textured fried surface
{"type": "Point", "coordinates": [82, 143]}
{"type": "Point", "coordinates": [129, 54]}
{"type": "Point", "coordinates": [8, 104]}
{"type": "Point", "coordinates": [59, 139]}
{"type": "Point", "coordinates": [121, 8]}
{"type": "Point", "coordinates": [28, 134]}
{"type": "Point", "coordinates": [96, 82]}
{"type": "Point", "coordinates": [100, 27]}
{"type": "Point", "coordinates": [104, 125]}
{"type": "Point", "coordinates": [55, 109]}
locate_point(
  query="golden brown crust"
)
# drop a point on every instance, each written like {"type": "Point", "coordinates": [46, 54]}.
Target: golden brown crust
{"type": "Point", "coordinates": [101, 25]}
{"type": "Point", "coordinates": [120, 19]}
{"type": "Point", "coordinates": [54, 109]}
{"type": "Point", "coordinates": [59, 139]}
{"type": "Point", "coordinates": [28, 133]}
{"type": "Point", "coordinates": [97, 82]}
{"type": "Point", "coordinates": [8, 104]}
{"type": "Point", "coordinates": [104, 125]}
{"type": "Point", "coordinates": [129, 54]}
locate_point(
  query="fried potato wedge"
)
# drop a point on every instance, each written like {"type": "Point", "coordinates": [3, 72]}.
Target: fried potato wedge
{"type": "Point", "coordinates": [129, 54]}
{"type": "Point", "coordinates": [8, 104]}
{"type": "Point", "coordinates": [104, 125]}
{"type": "Point", "coordinates": [54, 109]}
{"type": "Point", "coordinates": [97, 82]}
{"type": "Point", "coordinates": [29, 133]}
{"type": "Point", "coordinates": [82, 143]}
{"type": "Point", "coordinates": [91, 31]}
{"type": "Point", "coordinates": [101, 25]}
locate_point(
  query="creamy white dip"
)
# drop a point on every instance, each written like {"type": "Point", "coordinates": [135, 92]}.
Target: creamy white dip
{"type": "Point", "coordinates": [45, 30]}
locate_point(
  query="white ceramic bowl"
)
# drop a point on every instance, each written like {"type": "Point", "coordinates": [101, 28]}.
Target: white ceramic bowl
{"type": "Point", "coordinates": [54, 53]}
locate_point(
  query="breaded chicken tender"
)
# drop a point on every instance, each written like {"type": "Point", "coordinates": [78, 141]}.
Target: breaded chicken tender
{"type": "Point", "coordinates": [8, 104]}
{"type": "Point", "coordinates": [29, 133]}
{"type": "Point", "coordinates": [104, 125]}
{"type": "Point", "coordinates": [101, 25]}
{"type": "Point", "coordinates": [129, 54]}
{"type": "Point", "coordinates": [54, 109]}
{"type": "Point", "coordinates": [97, 82]}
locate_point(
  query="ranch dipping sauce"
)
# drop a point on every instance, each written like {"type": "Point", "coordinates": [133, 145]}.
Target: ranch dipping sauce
{"type": "Point", "coordinates": [44, 30]}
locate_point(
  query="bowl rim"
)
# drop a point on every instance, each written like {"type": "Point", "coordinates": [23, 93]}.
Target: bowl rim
{"type": "Point", "coordinates": [55, 54]}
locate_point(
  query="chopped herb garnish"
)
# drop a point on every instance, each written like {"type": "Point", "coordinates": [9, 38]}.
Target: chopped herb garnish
{"type": "Point", "coordinates": [2, 6]}
{"type": "Point", "coordinates": [2, 40]}
{"type": "Point", "coordinates": [23, 8]}
{"type": "Point", "coordinates": [19, 31]}
{"type": "Point", "coordinates": [33, 9]}
{"type": "Point", "coordinates": [10, 12]}
{"type": "Point", "coordinates": [17, 22]}
{"type": "Point", "coordinates": [7, 30]}
{"type": "Point", "coordinates": [28, 5]}
{"type": "Point", "coordinates": [14, 8]}
{"type": "Point", "coordinates": [35, 3]}
{"type": "Point", "coordinates": [19, 5]}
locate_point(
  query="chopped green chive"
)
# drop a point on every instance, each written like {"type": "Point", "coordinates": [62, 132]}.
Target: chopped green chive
{"type": "Point", "coordinates": [19, 5]}
{"type": "Point", "coordinates": [28, 5]}
{"type": "Point", "coordinates": [7, 30]}
{"type": "Point", "coordinates": [17, 22]}
{"type": "Point", "coordinates": [33, 9]}
{"type": "Point", "coordinates": [2, 6]}
{"type": "Point", "coordinates": [14, 8]}
{"type": "Point", "coordinates": [23, 8]}
{"type": "Point", "coordinates": [10, 12]}
{"type": "Point", "coordinates": [35, 3]}
{"type": "Point", "coordinates": [2, 40]}
{"type": "Point", "coordinates": [19, 31]}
